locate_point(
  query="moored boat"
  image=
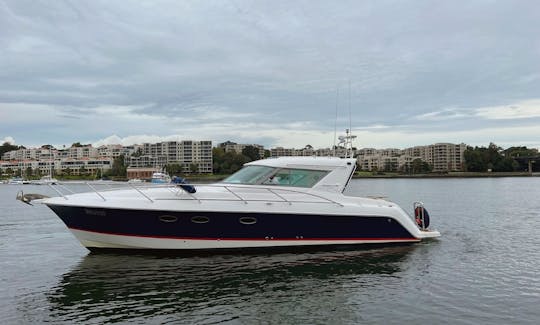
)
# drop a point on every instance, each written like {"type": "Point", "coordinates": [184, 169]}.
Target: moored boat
{"type": "Point", "coordinates": [279, 202]}
{"type": "Point", "coordinates": [45, 180]}
{"type": "Point", "coordinates": [17, 181]}
{"type": "Point", "coordinates": [160, 178]}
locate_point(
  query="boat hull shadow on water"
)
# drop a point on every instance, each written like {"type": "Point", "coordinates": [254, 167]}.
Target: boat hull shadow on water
{"type": "Point", "coordinates": [271, 203]}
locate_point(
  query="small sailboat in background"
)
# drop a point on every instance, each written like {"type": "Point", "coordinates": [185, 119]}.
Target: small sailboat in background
{"type": "Point", "coordinates": [47, 179]}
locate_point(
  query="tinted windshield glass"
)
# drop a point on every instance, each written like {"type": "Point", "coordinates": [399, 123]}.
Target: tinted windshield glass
{"type": "Point", "coordinates": [250, 175]}
{"type": "Point", "coordinates": [296, 177]}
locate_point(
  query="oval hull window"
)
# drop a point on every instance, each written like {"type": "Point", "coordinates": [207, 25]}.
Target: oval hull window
{"type": "Point", "coordinates": [167, 218]}
{"type": "Point", "coordinates": [248, 220]}
{"type": "Point", "coordinates": [200, 219]}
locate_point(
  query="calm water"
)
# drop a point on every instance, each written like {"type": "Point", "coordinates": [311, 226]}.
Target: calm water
{"type": "Point", "coordinates": [484, 270]}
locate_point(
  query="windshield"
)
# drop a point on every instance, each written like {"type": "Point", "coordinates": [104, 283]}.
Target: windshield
{"type": "Point", "coordinates": [250, 175]}
{"type": "Point", "coordinates": [276, 176]}
{"type": "Point", "coordinates": [296, 177]}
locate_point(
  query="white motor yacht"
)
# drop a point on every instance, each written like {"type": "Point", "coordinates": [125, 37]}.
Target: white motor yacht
{"type": "Point", "coordinates": [160, 178]}
{"type": "Point", "coordinates": [277, 202]}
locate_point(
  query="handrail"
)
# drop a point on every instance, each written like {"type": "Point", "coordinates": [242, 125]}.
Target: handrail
{"type": "Point", "coordinates": [57, 191]}
{"type": "Point", "coordinates": [231, 189]}
{"type": "Point", "coordinates": [281, 197]}
{"type": "Point", "coordinates": [146, 196]}
{"type": "Point", "coordinates": [238, 196]}
{"type": "Point", "coordinates": [101, 196]}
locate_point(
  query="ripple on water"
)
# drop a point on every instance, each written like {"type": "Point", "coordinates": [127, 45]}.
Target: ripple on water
{"type": "Point", "coordinates": [483, 270]}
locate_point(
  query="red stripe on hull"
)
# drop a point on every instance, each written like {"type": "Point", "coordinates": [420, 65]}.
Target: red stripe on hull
{"type": "Point", "coordinates": [251, 239]}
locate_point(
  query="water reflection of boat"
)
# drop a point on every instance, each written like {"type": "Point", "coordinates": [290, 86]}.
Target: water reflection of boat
{"type": "Point", "coordinates": [129, 287]}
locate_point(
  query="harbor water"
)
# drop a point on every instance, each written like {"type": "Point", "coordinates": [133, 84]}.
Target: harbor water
{"type": "Point", "coordinates": [485, 269]}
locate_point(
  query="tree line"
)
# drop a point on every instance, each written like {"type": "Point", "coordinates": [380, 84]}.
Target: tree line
{"type": "Point", "coordinates": [495, 159]}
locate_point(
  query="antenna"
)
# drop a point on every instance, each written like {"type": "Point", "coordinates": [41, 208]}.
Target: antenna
{"type": "Point", "coordinates": [335, 123]}
{"type": "Point", "coordinates": [350, 119]}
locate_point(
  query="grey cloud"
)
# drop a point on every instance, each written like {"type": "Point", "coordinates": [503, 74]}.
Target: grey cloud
{"type": "Point", "coordinates": [269, 62]}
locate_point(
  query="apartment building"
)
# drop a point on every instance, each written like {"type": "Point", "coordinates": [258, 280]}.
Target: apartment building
{"type": "Point", "coordinates": [68, 165]}
{"type": "Point", "coordinates": [443, 157]}
{"type": "Point", "coordinates": [184, 153]}
{"type": "Point", "coordinates": [116, 150]}
{"type": "Point", "coordinates": [308, 151]}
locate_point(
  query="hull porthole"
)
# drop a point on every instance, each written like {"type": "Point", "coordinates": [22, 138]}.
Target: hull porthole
{"type": "Point", "coordinates": [168, 218]}
{"type": "Point", "coordinates": [248, 220]}
{"type": "Point", "coordinates": [200, 219]}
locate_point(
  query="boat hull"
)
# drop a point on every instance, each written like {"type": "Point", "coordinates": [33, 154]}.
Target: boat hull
{"type": "Point", "coordinates": [197, 230]}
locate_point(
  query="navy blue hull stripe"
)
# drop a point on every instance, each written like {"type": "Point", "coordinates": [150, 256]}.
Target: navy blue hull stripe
{"type": "Point", "coordinates": [230, 225]}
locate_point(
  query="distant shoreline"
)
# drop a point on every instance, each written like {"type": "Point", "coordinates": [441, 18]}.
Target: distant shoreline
{"type": "Point", "coordinates": [362, 175]}
{"type": "Point", "coordinates": [451, 175]}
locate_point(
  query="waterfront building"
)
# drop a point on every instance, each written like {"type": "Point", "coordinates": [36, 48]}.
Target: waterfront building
{"type": "Point", "coordinates": [147, 161]}
{"type": "Point", "coordinates": [282, 152]}
{"type": "Point", "coordinates": [116, 150]}
{"type": "Point", "coordinates": [140, 173]}
{"type": "Point", "coordinates": [448, 156]}
{"type": "Point", "coordinates": [308, 151]}
{"type": "Point", "coordinates": [82, 152]}
{"type": "Point", "coordinates": [442, 157]}
{"type": "Point", "coordinates": [58, 166]}
{"type": "Point", "coordinates": [185, 153]}
{"type": "Point", "coordinates": [83, 166]}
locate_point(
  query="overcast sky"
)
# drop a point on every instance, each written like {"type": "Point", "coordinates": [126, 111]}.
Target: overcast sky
{"type": "Point", "coordinates": [270, 72]}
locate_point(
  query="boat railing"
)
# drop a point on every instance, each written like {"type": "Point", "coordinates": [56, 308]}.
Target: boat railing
{"type": "Point", "coordinates": [279, 194]}
{"type": "Point", "coordinates": [420, 215]}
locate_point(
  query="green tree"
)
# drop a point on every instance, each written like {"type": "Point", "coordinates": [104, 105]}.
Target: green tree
{"type": "Point", "coordinates": [251, 152]}
{"type": "Point", "coordinates": [474, 159]}
{"type": "Point", "coordinates": [137, 153]}
{"type": "Point", "coordinates": [174, 169]}
{"type": "Point", "coordinates": [520, 152]}
{"type": "Point", "coordinates": [416, 166]}
{"type": "Point", "coordinates": [193, 168]}
{"type": "Point", "coordinates": [506, 164]}
{"type": "Point", "coordinates": [119, 167]}
{"type": "Point", "coordinates": [420, 167]}
{"type": "Point", "coordinates": [6, 147]}
{"type": "Point", "coordinates": [227, 162]}
{"type": "Point", "coordinates": [481, 159]}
